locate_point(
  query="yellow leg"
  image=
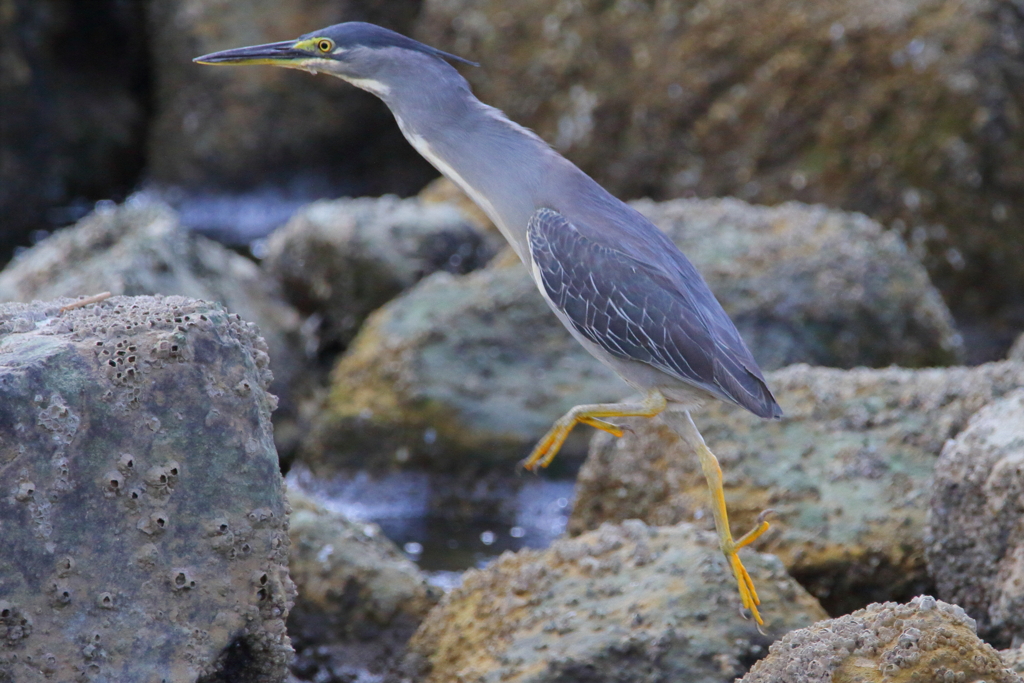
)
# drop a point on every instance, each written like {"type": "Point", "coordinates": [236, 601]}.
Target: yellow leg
{"type": "Point", "coordinates": [545, 451]}
{"type": "Point", "coordinates": [713, 475]}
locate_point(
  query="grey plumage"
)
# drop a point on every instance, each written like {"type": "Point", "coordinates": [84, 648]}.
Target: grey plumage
{"type": "Point", "coordinates": [663, 316]}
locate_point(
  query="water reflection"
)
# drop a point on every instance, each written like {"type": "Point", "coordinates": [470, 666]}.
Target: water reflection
{"type": "Point", "coordinates": [400, 503]}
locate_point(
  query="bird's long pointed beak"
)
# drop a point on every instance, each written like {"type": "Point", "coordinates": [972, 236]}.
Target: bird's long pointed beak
{"type": "Point", "coordinates": [271, 53]}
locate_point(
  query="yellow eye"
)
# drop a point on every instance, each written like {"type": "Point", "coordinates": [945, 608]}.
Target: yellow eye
{"type": "Point", "coordinates": [325, 45]}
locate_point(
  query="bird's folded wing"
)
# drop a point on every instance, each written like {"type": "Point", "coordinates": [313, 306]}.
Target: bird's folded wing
{"type": "Point", "coordinates": [645, 312]}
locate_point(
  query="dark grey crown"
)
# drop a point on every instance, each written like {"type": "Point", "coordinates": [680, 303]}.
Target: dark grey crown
{"type": "Point", "coordinates": [360, 34]}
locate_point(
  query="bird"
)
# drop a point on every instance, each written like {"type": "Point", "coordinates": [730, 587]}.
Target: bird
{"type": "Point", "coordinates": [619, 285]}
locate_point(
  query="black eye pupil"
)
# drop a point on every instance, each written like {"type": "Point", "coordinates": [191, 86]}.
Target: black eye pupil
{"type": "Point", "coordinates": [324, 45]}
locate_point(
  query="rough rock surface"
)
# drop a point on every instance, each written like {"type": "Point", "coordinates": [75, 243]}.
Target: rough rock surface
{"type": "Point", "coordinates": [622, 604]}
{"type": "Point", "coordinates": [234, 128]}
{"type": "Point", "coordinates": [141, 506]}
{"type": "Point", "coordinates": [975, 533]}
{"type": "Point", "coordinates": [140, 248]}
{"type": "Point", "coordinates": [359, 598]}
{"type": "Point", "coordinates": [1014, 659]}
{"type": "Point", "coordinates": [924, 640]}
{"type": "Point", "coordinates": [904, 110]}
{"type": "Point", "coordinates": [482, 364]}
{"type": "Point", "coordinates": [847, 471]}
{"type": "Point", "coordinates": [72, 108]}
{"type": "Point", "coordinates": [340, 260]}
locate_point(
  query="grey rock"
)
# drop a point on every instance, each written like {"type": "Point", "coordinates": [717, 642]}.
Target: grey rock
{"type": "Point", "coordinates": [141, 506]}
{"type": "Point", "coordinates": [923, 640]}
{"type": "Point", "coordinates": [1014, 659]}
{"type": "Point", "coordinates": [140, 248]}
{"type": "Point", "coordinates": [359, 598]}
{"type": "Point", "coordinates": [483, 366]}
{"type": "Point", "coordinates": [905, 110]}
{"type": "Point", "coordinates": [340, 260]}
{"type": "Point", "coordinates": [625, 603]}
{"type": "Point", "coordinates": [72, 108]}
{"type": "Point", "coordinates": [975, 534]}
{"type": "Point", "coordinates": [848, 472]}
{"type": "Point", "coordinates": [1017, 350]}
{"type": "Point", "coordinates": [228, 129]}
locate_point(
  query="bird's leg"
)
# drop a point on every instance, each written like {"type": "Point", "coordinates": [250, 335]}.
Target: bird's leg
{"type": "Point", "coordinates": [545, 451]}
{"type": "Point", "coordinates": [713, 475]}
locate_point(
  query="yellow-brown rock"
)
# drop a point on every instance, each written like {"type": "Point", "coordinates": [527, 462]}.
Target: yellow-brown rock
{"type": "Point", "coordinates": [625, 603]}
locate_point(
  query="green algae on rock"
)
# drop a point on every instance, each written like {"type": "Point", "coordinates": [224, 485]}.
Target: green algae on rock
{"type": "Point", "coordinates": [476, 368]}
{"type": "Point", "coordinates": [141, 504]}
{"type": "Point", "coordinates": [847, 472]}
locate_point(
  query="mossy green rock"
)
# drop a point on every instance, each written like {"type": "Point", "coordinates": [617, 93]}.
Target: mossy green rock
{"type": "Point", "coordinates": [847, 471]}
{"type": "Point", "coordinates": [142, 511]}
{"type": "Point", "coordinates": [474, 369]}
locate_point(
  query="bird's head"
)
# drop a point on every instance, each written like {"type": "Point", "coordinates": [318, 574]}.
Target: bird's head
{"type": "Point", "coordinates": [366, 55]}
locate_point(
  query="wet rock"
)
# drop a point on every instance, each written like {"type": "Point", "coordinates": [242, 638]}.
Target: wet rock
{"type": "Point", "coordinates": [623, 603]}
{"type": "Point", "coordinates": [233, 128]}
{"type": "Point", "coordinates": [847, 471]}
{"type": "Point", "coordinates": [139, 248]}
{"type": "Point", "coordinates": [924, 640]}
{"type": "Point", "coordinates": [359, 598]}
{"type": "Point", "coordinates": [340, 260]}
{"type": "Point", "coordinates": [478, 367]}
{"type": "Point", "coordinates": [975, 534]}
{"type": "Point", "coordinates": [73, 92]}
{"type": "Point", "coordinates": [141, 506]}
{"type": "Point", "coordinates": [905, 112]}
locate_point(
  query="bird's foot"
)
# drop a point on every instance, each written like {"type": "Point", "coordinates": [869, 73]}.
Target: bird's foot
{"type": "Point", "coordinates": [546, 450]}
{"type": "Point", "coordinates": [748, 594]}
{"type": "Point", "coordinates": [614, 430]}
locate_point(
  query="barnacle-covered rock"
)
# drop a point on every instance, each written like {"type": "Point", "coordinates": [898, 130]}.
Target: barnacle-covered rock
{"type": "Point", "coordinates": [924, 640]}
{"type": "Point", "coordinates": [139, 248]}
{"type": "Point", "coordinates": [625, 604]}
{"type": "Point", "coordinates": [142, 510]}
{"type": "Point", "coordinates": [975, 534]}
{"type": "Point", "coordinates": [847, 472]}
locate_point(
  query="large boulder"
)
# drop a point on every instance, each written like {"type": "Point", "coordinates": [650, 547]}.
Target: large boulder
{"type": "Point", "coordinates": [140, 248]}
{"type": "Point", "coordinates": [624, 604]}
{"type": "Point", "coordinates": [923, 640]}
{"type": "Point", "coordinates": [975, 535]}
{"type": "Point", "coordinates": [340, 260]}
{"type": "Point", "coordinates": [847, 471]}
{"type": "Point", "coordinates": [478, 367]}
{"type": "Point", "coordinates": [142, 510]}
{"type": "Point", "coordinates": [219, 128]}
{"type": "Point", "coordinates": [908, 111]}
{"type": "Point", "coordinates": [72, 109]}
{"type": "Point", "coordinates": [359, 599]}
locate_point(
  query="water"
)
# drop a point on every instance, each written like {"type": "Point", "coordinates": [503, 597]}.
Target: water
{"type": "Point", "coordinates": [400, 503]}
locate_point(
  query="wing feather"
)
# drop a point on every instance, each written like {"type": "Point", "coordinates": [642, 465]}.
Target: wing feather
{"type": "Point", "coordinates": [645, 312]}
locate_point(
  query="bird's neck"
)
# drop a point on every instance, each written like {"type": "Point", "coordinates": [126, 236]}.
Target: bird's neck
{"type": "Point", "coordinates": [499, 164]}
